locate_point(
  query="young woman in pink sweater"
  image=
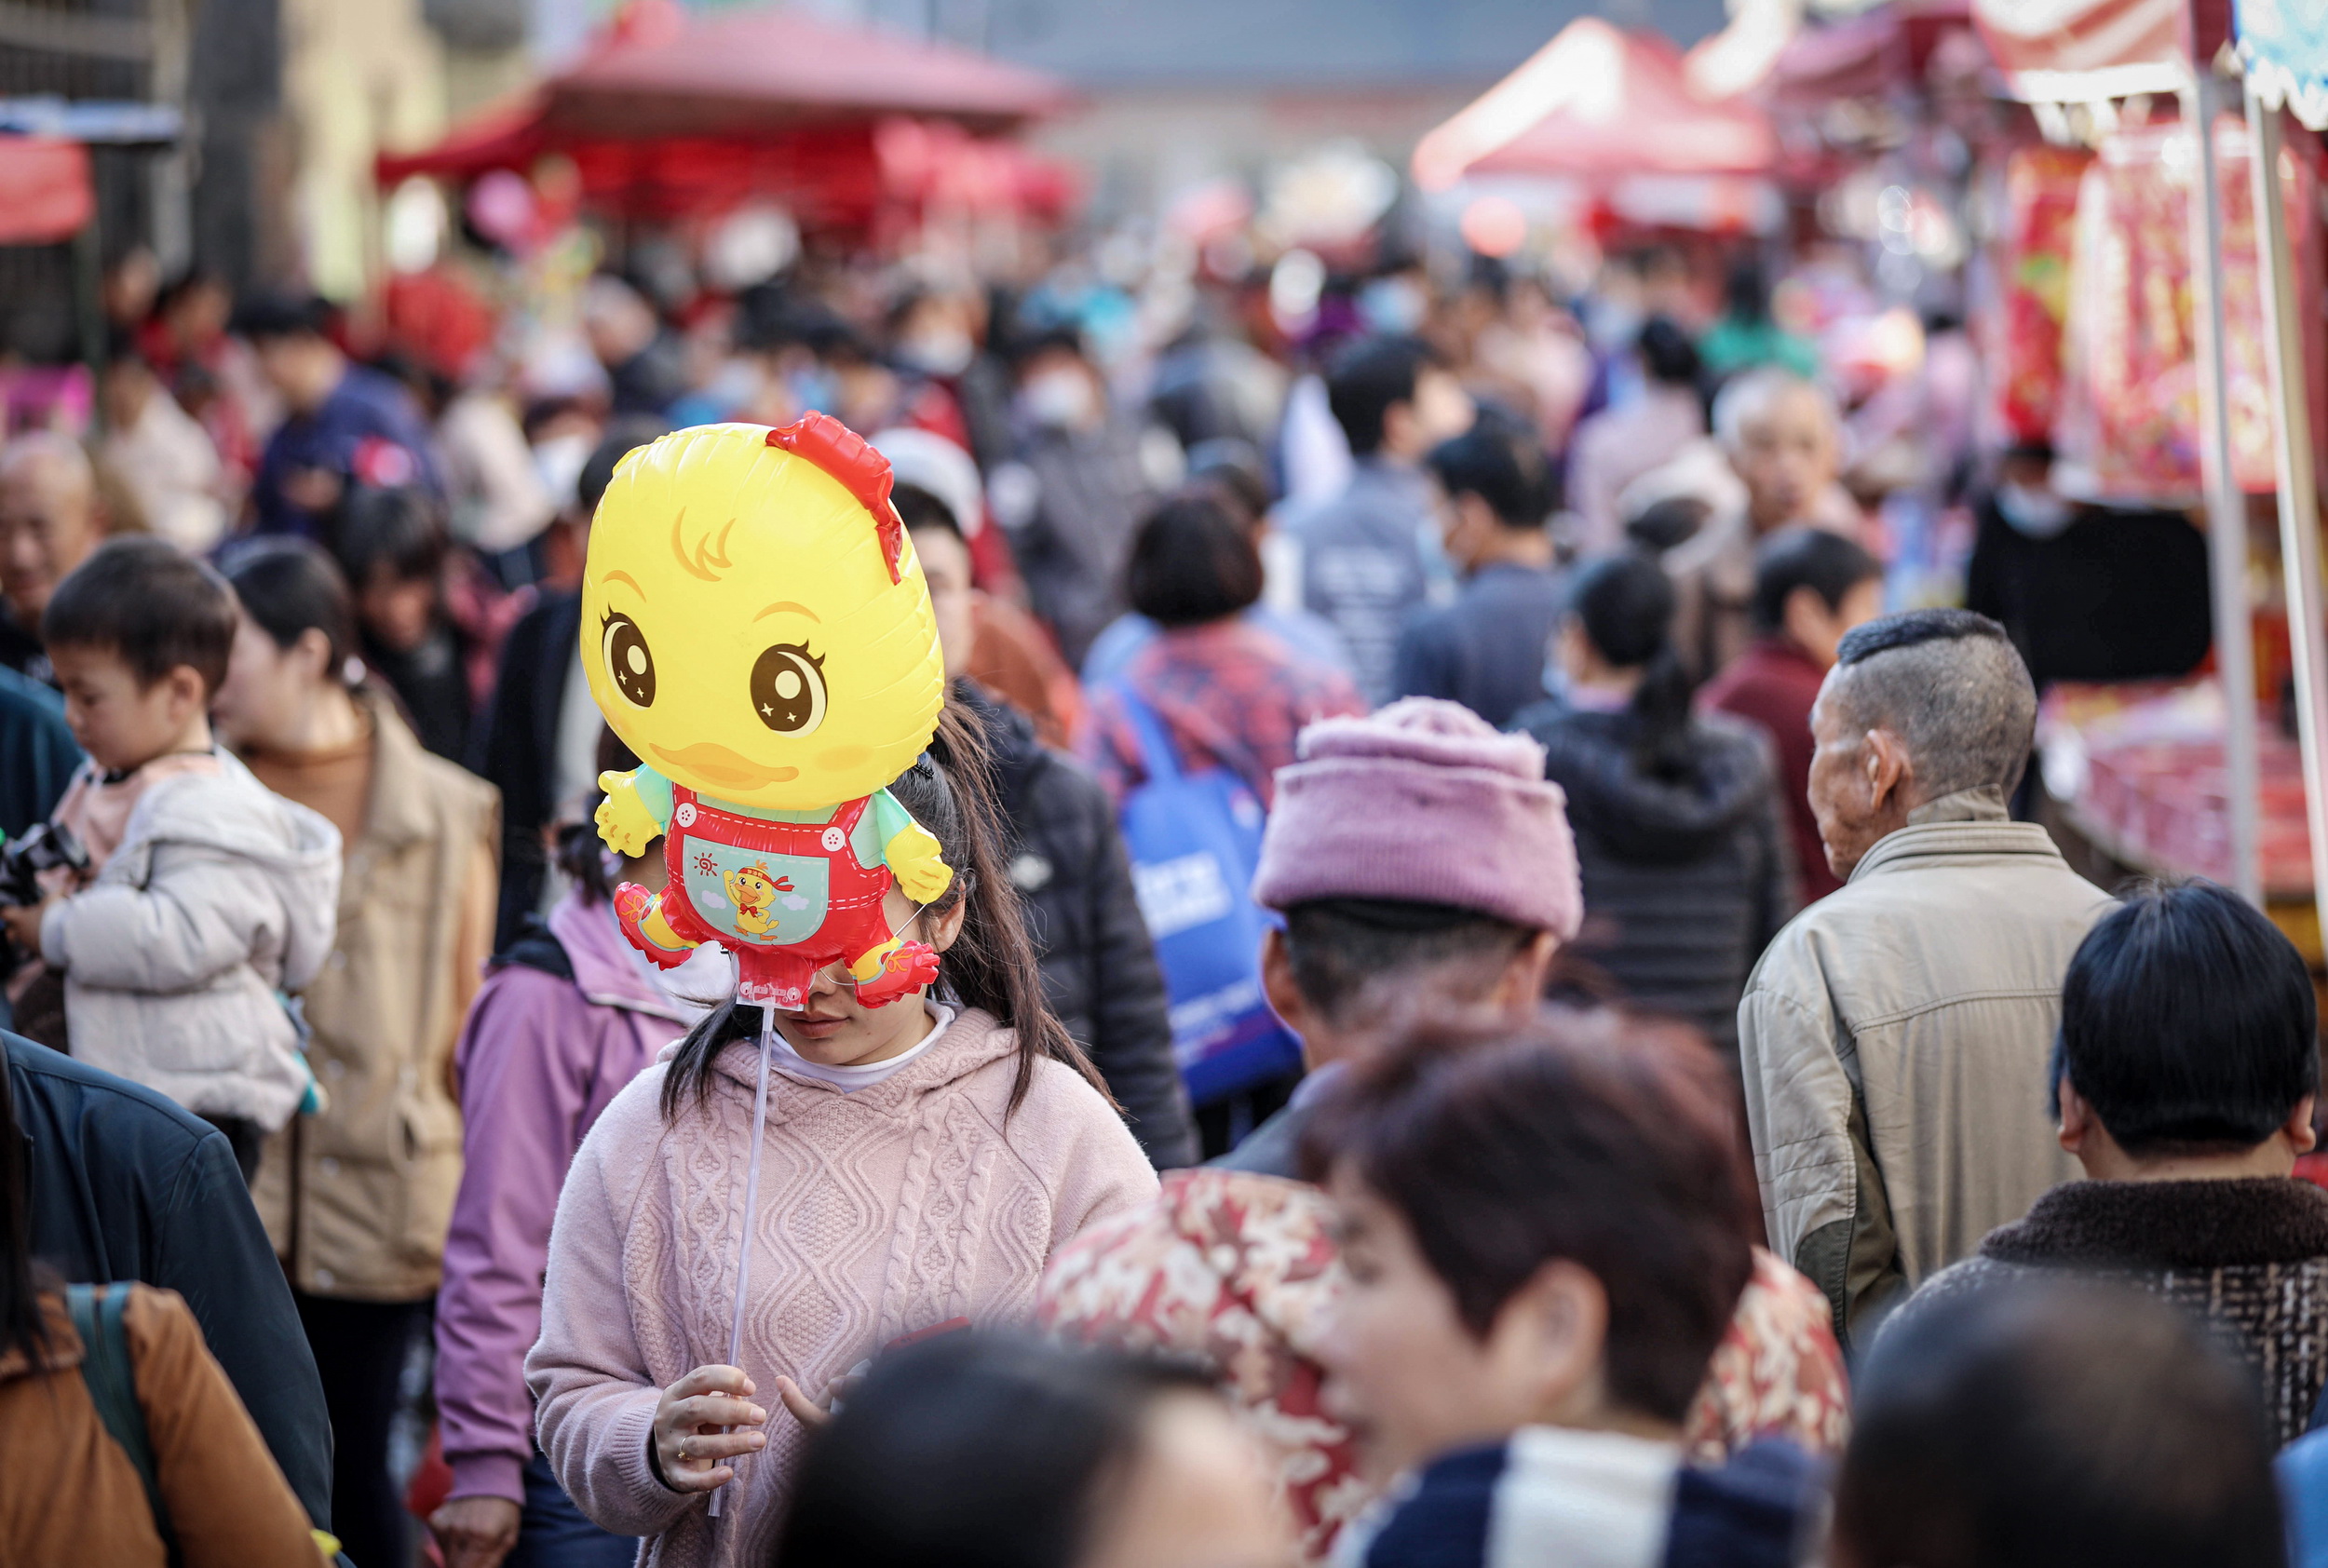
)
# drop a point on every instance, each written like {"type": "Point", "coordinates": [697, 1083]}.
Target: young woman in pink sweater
{"type": "Point", "coordinates": [922, 1163]}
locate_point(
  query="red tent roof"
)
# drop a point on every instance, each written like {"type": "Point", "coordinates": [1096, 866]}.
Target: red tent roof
{"type": "Point", "coordinates": [2085, 48]}
{"type": "Point", "coordinates": [667, 113]}
{"type": "Point", "coordinates": [1597, 100]}
{"type": "Point", "coordinates": [664, 72]}
{"type": "Point", "coordinates": [659, 72]}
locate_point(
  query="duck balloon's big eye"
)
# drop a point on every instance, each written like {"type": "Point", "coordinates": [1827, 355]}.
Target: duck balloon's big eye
{"type": "Point", "coordinates": [788, 689]}
{"type": "Point", "coordinates": [628, 661]}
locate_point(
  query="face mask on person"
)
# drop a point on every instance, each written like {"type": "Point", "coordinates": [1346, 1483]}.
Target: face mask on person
{"type": "Point", "coordinates": [559, 461]}
{"type": "Point", "coordinates": [2039, 514]}
{"type": "Point", "coordinates": [1061, 399]}
{"type": "Point", "coordinates": [813, 387]}
{"type": "Point", "coordinates": [938, 351]}
{"type": "Point", "coordinates": [1393, 305]}
{"type": "Point", "coordinates": [736, 384]}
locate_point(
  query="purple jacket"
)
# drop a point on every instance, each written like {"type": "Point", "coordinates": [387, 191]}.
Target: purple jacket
{"type": "Point", "coordinates": [564, 1020]}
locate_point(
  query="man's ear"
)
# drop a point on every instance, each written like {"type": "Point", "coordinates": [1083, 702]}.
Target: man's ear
{"type": "Point", "coordinates": [1519, 988]}
{"type": "Point", "coordinates": [1280, 986]}
{"type": "Point", "coordinates": [1889, 770]}
{"type": "Point", "coordinates": [2298, 1125]}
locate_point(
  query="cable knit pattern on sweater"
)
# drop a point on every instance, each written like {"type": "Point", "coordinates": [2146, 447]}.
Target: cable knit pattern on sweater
{"type": "Point", "coordinates": [902, 1205]}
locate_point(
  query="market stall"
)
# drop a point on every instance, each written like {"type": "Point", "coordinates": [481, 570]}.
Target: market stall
{"type": "Point", "coordinates": [668, 113]}
{"type": "Point", "coordinates": [2171, 289]}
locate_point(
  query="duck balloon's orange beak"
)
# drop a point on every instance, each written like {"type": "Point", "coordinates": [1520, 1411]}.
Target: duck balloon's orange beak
{"type": "Point", "coordinates": [722, 766]}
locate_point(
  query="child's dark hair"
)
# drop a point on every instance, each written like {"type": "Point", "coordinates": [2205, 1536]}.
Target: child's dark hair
{"type": "Point", "coordinates": [401, 530]}
{"type": "Point", "coordinates": [150, 602]}
{"type": "Point", "coordinates": [1625, 603]}
{"type": "Point", "coordinates": [991, 966]}
{"type": "Point", "coordinates": [290, 586]}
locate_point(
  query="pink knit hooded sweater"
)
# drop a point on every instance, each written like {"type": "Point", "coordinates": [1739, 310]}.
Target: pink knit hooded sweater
{"type": "Point", "coordinates": [882, 1213]}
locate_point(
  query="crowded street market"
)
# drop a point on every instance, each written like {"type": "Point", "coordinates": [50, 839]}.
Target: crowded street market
{"type": "Point", "coordinates": [1345, 782]}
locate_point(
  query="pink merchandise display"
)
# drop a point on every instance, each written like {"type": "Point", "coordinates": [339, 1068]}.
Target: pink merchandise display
{"type": "Point", "coordinates": [2129, 413]}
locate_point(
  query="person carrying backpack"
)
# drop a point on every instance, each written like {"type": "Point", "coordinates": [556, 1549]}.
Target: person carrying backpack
{"type": "Point", "coordinates": [121, 1441]}
{"type": "Point", "coordinates": [1187, 740]}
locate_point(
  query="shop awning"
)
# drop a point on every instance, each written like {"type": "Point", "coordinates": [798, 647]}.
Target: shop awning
{"type": "Point", "coordinates": [2067, 52]}
{"type": "Point", "coordinates": [666, 72]}
{"type": "Point", "coordinates": [668, 112]}
{"type": "Point", "coordinates": [1597, 101]}
{"type": "Point", "coordinates": [44, 191]}
{"type": "Point", "coordinates": [2283, 45]}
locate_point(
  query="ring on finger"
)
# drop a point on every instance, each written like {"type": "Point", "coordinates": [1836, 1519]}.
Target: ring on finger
{"type": "Point", "coordinates": [682, 1448]}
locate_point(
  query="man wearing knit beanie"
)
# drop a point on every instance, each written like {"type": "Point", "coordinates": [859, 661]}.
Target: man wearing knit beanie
{"type": "Point", "coordinates": [1425, 870]}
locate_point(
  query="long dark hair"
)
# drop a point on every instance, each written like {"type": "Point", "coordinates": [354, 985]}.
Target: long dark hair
{"type": "Point", "coordinates": [1625, 603]}
{"type": "Point", "coordinates": [950, 790]}
{"type": "Point", "coordinates": [21, 1326]}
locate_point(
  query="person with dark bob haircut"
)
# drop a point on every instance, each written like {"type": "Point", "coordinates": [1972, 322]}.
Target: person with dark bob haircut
{"type": "Point", "coordinates": [1191, 563]}
{"type": "Point", "coordinates": [988, 1450]}
{"type": "Point", "coordinates": [2054, 1425]}
{"type": "Point", "coordinates": [1545, 1236]}
{"type": "Point", "coordinates": [2184, 1082]}
{"type": "Point", "coordinates": [1227, 690]}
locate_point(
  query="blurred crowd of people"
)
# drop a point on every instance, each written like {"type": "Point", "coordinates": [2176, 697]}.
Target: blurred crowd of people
{"type": "Point", "coordinates": [1677, 1011]}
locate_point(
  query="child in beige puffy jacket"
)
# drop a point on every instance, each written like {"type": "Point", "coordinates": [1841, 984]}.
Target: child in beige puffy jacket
{"type": "Point", "coordinates": [213, 899]}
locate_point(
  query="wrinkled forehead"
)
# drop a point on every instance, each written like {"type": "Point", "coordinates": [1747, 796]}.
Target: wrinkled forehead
{"type": "Point", "coordinates": [37, 475]}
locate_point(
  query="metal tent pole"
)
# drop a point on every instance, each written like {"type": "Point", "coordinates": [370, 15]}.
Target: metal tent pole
{"type": "Point", "coordinates": [2226, 508]}
{"type": "Point", "coordinates": [2299, 492]}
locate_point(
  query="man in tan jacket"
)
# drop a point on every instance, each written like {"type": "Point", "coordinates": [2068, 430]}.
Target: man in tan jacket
{"type": "Point", "coordinates": [1895, 1038]}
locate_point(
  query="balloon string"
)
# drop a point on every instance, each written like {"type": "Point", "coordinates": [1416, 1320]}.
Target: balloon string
{"type": "Point", "coordinates": [751, 1209]}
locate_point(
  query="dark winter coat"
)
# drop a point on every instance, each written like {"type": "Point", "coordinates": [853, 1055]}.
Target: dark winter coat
{"type": "Point", "coordinates": [2249, 1257]}
{"type": "Point", "coordinates": [1685, 880]}
{"type": "Point", "coordinates": [125, 1185]}
{"type": "Point", "coordinates": [515, 750]}
{"type": "Point", "coordinates": [1099, 968]}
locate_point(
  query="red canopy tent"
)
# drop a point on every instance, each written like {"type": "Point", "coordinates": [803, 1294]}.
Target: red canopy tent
{"type": "Point", "coordinates": [667, 115]}
{"type": "Point", "coordinates": [1597, 101]}
{"type": "Point", "coordinates": [2072, 50]}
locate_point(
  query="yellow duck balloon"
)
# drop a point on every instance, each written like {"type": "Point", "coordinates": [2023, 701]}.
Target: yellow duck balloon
{"type": "Point", "coordinates": [756, 628]}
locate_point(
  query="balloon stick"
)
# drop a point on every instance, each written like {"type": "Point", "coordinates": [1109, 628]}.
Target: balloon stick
{"type": "Point", "coordinates": [751, 1209]}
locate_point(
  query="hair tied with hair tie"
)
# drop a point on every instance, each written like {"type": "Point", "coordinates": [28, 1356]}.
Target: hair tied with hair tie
{"type": "Point", "coordinates": [352, 671]}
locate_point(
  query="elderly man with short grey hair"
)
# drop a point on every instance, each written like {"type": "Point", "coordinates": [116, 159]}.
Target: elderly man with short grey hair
{"type": "Point", "coordinates": [1895, 1038]}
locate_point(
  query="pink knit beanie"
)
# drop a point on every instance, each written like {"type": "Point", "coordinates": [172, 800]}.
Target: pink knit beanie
{"type": "Point", "coordinates": [1422, 802]}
